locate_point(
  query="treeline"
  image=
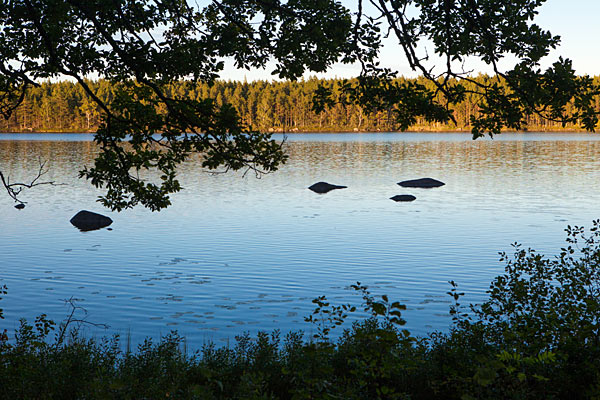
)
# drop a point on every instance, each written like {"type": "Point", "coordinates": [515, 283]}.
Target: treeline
{"type": "Point", "coordinates": [266, 106]}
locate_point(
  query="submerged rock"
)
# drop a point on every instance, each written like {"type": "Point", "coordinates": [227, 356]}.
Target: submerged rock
{"type": "Point", "coordinates": [403, 197]}
{"type": "Point", "coordinates": [324, 187]}
{"type": "Point", "coordinates": [89, 221]}
{"type": "Point", "coordinates": [421, 183]}
{"type": "Point", "coordinates": [20, 206]}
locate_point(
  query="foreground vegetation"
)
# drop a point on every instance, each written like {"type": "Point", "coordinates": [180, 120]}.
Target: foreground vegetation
{"type": "Point", "coordinates": [285, 106]}
{"type": "Point", "coordinates": [537, 336]}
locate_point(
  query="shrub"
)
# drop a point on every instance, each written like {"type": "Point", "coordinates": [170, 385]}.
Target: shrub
{"type": "Point", "coordinates": [536, 336]}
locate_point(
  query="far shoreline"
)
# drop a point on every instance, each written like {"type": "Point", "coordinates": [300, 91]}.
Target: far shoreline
{"type": "Point", "coordinates": [343, 131]}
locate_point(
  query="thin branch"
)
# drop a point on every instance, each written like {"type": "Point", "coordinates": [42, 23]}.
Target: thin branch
{"type": "Point", "coordinates": [15, 189]}
{"type": "Point", "coordinates": [70, 320]}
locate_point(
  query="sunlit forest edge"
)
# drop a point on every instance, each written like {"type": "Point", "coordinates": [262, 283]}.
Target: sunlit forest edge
{"type": "Point", "coordinates": [277, 106]}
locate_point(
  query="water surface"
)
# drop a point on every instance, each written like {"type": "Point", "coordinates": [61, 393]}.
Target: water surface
{"type": "Point", "coordinates": [237, 254]}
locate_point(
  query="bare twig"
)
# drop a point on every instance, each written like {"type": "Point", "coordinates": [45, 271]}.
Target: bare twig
{"type": "Point", "coordinates": [71, 319]}
{"type": "Point", "coordinates": [15, 189]}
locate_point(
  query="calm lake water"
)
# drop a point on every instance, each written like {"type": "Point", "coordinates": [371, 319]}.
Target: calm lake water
{"type": "Point", "coordinates": [237, 254]}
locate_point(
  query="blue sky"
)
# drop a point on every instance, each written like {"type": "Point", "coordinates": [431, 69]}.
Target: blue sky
{"type": "Point", "coordinates": [576, 21]}
{"type": "Point", "coordinates": [578, 24]}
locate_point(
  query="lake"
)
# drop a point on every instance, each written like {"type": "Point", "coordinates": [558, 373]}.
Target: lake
{"type": "Point", "coordinates": [235, 254]}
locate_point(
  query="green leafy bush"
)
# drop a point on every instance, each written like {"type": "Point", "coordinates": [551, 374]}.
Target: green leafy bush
{"type": "Point", "coordinates": [535, 337]}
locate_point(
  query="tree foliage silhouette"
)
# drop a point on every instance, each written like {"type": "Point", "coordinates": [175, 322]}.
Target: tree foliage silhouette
{"type": "Point", "coordinates": [142, 46]}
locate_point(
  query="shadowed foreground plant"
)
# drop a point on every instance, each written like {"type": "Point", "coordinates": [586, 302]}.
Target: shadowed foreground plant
{"type": "Point", "coordinates": [535, 337]}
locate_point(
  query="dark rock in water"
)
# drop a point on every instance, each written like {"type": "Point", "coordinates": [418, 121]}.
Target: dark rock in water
{"type": "Point", "coordinates": [403, 197]}
{"type": "Point", "coordinates": [20, 206]}
{"type": "Point", "coordinates": [421, 183]}
{"type": "Point", "coordinates": [324, 187]}
{"type": "Point", "coordinates": [89, 221]}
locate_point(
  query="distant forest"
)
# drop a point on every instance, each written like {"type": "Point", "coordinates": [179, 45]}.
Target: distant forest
{"type": "Point", "coordinates": [266, 106]}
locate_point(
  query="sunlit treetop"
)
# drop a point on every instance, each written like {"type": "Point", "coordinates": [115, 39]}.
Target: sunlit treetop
{"type": "Point", "coordinates": [143, 46]}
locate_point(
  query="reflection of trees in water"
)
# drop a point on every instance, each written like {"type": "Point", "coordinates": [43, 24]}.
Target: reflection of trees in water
{"type": "Point", "coordinates": [453, 155]}
{"type": "Point", "coordinates": [17, 155]}
{"type": "Point", "coordinates": [20, 159]}
{"type": "Point", "coordinates": [27, 164]}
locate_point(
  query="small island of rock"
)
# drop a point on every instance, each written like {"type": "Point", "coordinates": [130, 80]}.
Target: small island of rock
{"type": "Point", "coordinates": [324, 187]}
{"type": "Point", "coordinates": [403, 197]}
{"type": "Point", "coordinates": [421, 183]}
{"type": "Point", "coordinates": [89, 221]}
